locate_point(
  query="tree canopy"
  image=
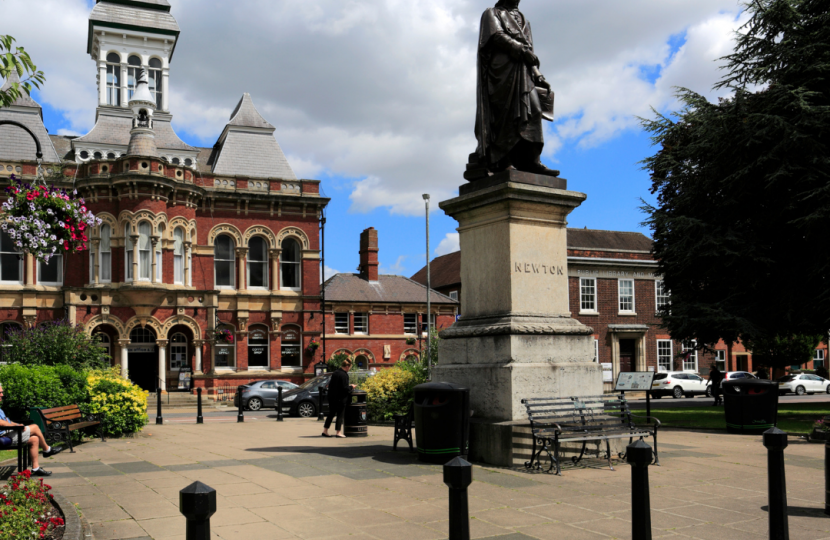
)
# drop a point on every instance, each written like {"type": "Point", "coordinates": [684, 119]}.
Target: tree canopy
{"type": "Point", "coordinates": [17, 59]}
{"type": "Point", "coordinates": [741, 226]}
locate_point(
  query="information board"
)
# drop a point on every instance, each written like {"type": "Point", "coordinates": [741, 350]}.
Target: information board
{"type": "Point", "coordinates": [634, 381]}
{"type": "Point", "coordinates": [607, 372]}
{"type": "Point", "coordinates": [184, 378]}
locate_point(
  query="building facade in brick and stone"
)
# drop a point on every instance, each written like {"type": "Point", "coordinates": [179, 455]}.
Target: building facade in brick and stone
{"type": "Point", "coordinates": [192, 240]}
{"type": "Point", "coordinates": [615, 289]}
{"type": "Point", "coordinates": [380, 319]}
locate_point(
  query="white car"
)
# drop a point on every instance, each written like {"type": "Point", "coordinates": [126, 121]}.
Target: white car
{"type": "Point", "coordinates": [803, 383]}
{"type": "Point", "coordinates": [737, 375]}
{"type": "Point", "coordinates": [678, 384]}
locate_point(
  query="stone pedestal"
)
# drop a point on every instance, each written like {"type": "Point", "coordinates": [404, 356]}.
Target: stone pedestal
{"type": "Point", "coordinates": [516, 338]}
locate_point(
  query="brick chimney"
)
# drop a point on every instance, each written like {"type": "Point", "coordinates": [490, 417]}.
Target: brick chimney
{"type": "Point", "coordinates": [369, 254]}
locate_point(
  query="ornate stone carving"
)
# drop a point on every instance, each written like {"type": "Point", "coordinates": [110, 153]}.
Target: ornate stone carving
{"type": "Point", "coordinates": [259, 230]}
{"type": "Point", "coordinates": [291, 187]}
{"type": "Point", "coordinates": [225, 228]}
{"type": "Point", "coordinates": [104, 318]}
{"type": "Point", "coordinates": [296, 233]}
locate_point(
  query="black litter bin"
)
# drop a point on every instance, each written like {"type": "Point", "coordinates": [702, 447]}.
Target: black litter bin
{"type": "Point", "coordinates": [354, 422]}
{"type": "Point", "coordinates": [442, 421]}
{"type": "Point", "coordinates": [750, 405]}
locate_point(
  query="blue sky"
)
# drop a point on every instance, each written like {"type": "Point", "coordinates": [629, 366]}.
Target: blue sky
{"type": "Point", "coordinates": [381, 125]}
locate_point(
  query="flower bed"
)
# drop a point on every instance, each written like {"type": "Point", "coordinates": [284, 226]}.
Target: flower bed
{"type": "Point", "coordinates": [46, 221]}
{"type": "Point", "coordinates": [26, 509]}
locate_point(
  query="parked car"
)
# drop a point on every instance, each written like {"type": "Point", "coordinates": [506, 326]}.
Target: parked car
{"type": "Point", "coordinates": [259, 394]}
{"type": "Point", "coordinates": [304, 400]}
{"type": "Point", "coordinates": [737, 375]}
{"type": "Point", "coordinates": [678, 384]}
{"type": "Point", "coordinates": [803, 383]}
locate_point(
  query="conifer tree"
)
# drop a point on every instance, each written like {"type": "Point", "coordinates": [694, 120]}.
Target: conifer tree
{"type": "Point", "coordinates": [742, 221]}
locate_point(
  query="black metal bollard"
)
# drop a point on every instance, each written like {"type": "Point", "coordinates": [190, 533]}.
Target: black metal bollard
{"type": "Point", "coordinates": [639, 456]}
{"type": "Point", "coordinates": [827, 477]}
{"type": "Point", "coordinates": [197, 502]}
{"type": "Point", "coordinates": [323, 392]}
{"type": "Point", "coordinates": [279, 404]}
{"type": "Point", "coordinates": [199, 419]}
{"type": "Point", "coordinates": [458, 475]}
{"type": "Point", "coordinates": [776, 441]}
{"type": "Point", "coordinates": [240, 416]}
{"type": "Point", "coordinates": [159, 419]}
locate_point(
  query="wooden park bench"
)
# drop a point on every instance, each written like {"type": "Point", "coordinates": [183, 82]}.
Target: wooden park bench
{"type": "Point", "coordinates": [60, 422]}
{"type": "Point", "coordinates": [403, 428]}
{"type": "Point", "coordinates": [584, 419]}
{"type": "Point", "coordinates": [22, 447]}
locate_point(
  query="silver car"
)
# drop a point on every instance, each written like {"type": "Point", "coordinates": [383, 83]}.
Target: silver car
{"type": "Point", "coordinates": [259, 394]}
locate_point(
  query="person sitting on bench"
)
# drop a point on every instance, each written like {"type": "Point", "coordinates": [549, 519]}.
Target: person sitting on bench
{"type": "Point", "coordinates": [31, 435]}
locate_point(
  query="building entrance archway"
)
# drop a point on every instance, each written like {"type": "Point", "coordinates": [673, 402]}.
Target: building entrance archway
{"type": "Point", "coordinates": [142, 358]}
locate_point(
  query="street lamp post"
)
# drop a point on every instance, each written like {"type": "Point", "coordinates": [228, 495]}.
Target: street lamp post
{"type": "Point", "coordinates": [429, 312]}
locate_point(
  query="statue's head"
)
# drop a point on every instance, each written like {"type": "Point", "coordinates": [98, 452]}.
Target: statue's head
{"type": "Point", "coordinates": [508, 3]}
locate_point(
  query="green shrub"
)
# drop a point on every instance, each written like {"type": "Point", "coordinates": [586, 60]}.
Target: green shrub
{"type": "Point", "coordinates": [391, 390]}
{"type": "Point", "coordinates": [40, 386]}
{"type": "Point", "coordinates": [53, 343]}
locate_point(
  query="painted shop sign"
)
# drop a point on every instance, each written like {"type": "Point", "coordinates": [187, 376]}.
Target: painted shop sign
{"type": "Point", "coordinates": [141, 348]}
{"type": "Point", "coordinates": [533, 268]}
{"type": "Point", "coordinates": [613, 274]}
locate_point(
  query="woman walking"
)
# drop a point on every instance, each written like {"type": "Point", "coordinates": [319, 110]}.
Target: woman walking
{"type": "Point", "coordinates": [339, 393]}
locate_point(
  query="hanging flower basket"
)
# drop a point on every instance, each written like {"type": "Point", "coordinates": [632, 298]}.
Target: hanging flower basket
{"type": "Point", "coordinates": [46, 221]}
{"type": "Point", "coordinates": [225, 336]}
{"type": "Point", "coordinates": [312, 347]}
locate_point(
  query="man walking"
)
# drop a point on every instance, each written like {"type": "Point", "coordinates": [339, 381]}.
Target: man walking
{"type": "Point", "coordinates": [31, 435]}
{"type": "Point", "coordinates": [715, 379]}
{"type": "Point", "coordinates": [339, 392]}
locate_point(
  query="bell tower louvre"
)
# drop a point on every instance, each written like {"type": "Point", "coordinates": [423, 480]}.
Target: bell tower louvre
{"type": "Point", "coordinates": [192, 241]}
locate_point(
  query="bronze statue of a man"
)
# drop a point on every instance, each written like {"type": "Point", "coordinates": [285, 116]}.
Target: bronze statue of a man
{"type": "Point", "coordinates": [512, 99]}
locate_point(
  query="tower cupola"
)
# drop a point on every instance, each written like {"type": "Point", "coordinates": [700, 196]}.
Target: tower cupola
{"type": "Point", "coordinates": [142, 136]}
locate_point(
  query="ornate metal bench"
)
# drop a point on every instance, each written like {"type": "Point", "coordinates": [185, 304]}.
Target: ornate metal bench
{"type": "Point", "coordinates": [60, 422]}
{"type": "Point", "coordinates": [403, 428]}
{"type": "Point", "coordinates": [554, 421]}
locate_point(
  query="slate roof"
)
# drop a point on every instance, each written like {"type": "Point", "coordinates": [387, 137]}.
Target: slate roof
{"type": "Point", "coordinates": [157, 3]}
{"type": "Point", "coordinates": [16, 144]}
{"type": "Point", "coordinates": [253, 153]}
{"type": "Point", "coordinates": [115, 130]}
{"type": "Point", "coordinates": [63, 146]}
{"type": "Point", "coordinates": [446, 269]}
{"type": "Point", "coordinates": [397, 289]}
{"type": "Point", "coordinates": [112, 13]}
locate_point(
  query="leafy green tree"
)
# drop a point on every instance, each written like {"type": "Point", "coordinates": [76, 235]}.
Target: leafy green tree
{"type": "Point", "coordinates": [51, 344]}
{"type": "Point", "coordinates": [17, 59]}
{"type": "Point", "coordinates": [742, 218]}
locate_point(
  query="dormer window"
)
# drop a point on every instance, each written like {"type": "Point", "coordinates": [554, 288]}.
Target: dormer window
{"type": "Point", "coordinates": [155, 80]}
{"type": "Point", "coordinates": [133, 69]}
{"type": "Point", "coordinates": [113, 79]}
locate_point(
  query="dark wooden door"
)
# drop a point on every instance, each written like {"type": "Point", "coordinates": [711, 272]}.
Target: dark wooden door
{"type": "Point", "coordinates": [627, 355]}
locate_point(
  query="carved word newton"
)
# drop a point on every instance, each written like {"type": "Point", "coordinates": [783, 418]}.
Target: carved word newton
{"type": "Point", "coordinates": [532, 268]}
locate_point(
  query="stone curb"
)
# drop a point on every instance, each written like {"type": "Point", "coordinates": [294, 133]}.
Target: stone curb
{"type": "Point", "coordinates": [74, 529]}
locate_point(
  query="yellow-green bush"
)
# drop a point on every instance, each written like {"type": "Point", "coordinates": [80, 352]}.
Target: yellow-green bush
{"type": "Point", "coordinates": [390, 392]}
{"type": "Point", "coordinates": [122, 404]}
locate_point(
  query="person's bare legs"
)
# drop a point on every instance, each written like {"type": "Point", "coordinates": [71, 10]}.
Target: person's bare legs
{"type": "Point", "coordinates": [34, 429]}
{"type": "Point", "coordinates": [33, 450]}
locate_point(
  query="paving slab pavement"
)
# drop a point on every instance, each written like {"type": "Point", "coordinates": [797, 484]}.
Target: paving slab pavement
{"type": "Point", "coordinates": [283, 481]}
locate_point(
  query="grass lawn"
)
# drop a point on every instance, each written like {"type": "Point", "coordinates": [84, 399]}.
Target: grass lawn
{"type": "Point", "coordinates": [792, 417]}
{"type": "Point", "coordinates": [8, 454]}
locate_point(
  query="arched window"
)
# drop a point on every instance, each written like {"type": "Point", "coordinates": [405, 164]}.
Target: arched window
{"type": "Point", "coordinates": [176, 161]}
{"type": "Point", "coordinates": [258, 347]}
{"type": "Point", "coordinates": [291, 347]}
{"type": "Point", "coordinates": [155, 80]}
{"type": "Point", "coordinates": [128, 248]}
{"type": "Point", "coordinates": [113, 79]}
{"type": "Point", "coordinates": [144, 251]}
{"type": "Point", "coordinates": [178, 256]}
{"type": "Point", "coordinates": [158, 255]}
{"type": "Point", "coordinates": [290, 265]}
{"type": "Point", "coordinates": [110, 155]}
{"type": "Point", "coordinates": [178, 352]}
{"type": "Point", "coordinates": [223, 261]}
{"type": "Point", "coordinates": [257, 263]}
{"type": "Point", "coordinates": [105, 254]}
{"type": "Point", "coordinates": [104, 343]}
{"type": "Point", "coordinates": [11, 260]}
{"type": "Point", "coordinates": [361, 361]}
{"type": "Point", "coordinates": [133, 67]}
{"type": "Point", "coordinates": [142, 334]}
{"type": "Point", "coordinates": [226, 351]}
{"type": "Point", "coordinates": [98, 155]}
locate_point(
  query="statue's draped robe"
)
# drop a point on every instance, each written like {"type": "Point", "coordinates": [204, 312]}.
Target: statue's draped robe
{"type": "Point", "coordinates": [508, 108]}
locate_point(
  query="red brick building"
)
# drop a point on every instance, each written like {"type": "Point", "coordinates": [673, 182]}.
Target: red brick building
{"type": "Point", "coordinates": [614, 289]}
{"type": "Point", "coordinates": [193, 239]}
{"type": "Point", "coordinates": [380, 319]}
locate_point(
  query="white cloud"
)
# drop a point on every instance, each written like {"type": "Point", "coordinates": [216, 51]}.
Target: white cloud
{"type": "Point", "coordinates": [328, 272]}
{"type": "Point", "coordinates": [397, 269]}
{"type": "Point", "coordinates": [383, 91]}
{"type": "Point", "coordinates": [449, 244]}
